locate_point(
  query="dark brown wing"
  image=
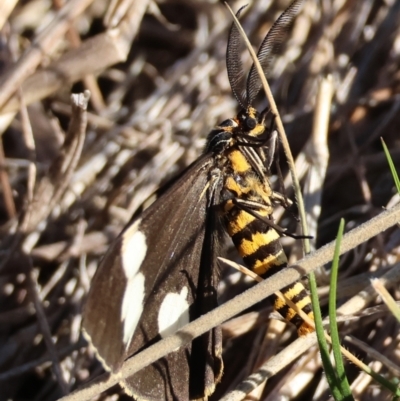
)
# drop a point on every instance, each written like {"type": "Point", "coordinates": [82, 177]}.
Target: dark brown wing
{"type": "Point", "coordinates": [166, 254]}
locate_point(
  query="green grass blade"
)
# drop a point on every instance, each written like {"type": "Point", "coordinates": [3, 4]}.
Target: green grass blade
{"type": "Point", "coordinates": [391, 165]}
{"type": "Point", "coordinates": [340, 371]}
{"type": "Point", "coordinates": [323, 345]}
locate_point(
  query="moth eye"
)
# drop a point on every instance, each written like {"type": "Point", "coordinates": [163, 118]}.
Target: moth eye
{"type": "Point", "coordinates": [251, 123]}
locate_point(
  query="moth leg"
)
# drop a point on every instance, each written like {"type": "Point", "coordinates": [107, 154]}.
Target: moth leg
{"type": "Point", "coordinates": [247, 207]}
{"type": "Point", "coordinates": [281, 199]}
{"type": "Point", "coordinates": [272, 146]}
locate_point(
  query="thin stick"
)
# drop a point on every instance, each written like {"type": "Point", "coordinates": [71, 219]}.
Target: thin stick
{"type": "Point", "coordinates": [43, 44]}
{"type": "Point", "coordinates": [317, 150]}
{"type": "Point", "coordinates": [31, 148]}
{"type": "Point", "coordinates": [243, 301]}
{"type": "Point", "coordinates": [6, 8]}
{"type": "Point", "coordinates": [5, 184]}
{"type": "Point", "coordinates": [279, 294]}
{"type": "Point", "coordinates": [279, 126]}
{"type": "Point", "coordinates": [44, 324]}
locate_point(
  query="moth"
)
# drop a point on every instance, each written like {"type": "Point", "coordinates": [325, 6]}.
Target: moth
{"type": "Point", "coordinates": [161, 272]}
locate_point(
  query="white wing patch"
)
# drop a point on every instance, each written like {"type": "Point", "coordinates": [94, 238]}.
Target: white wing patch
{"type": "Point", "coordinates": [173, 313]}
{"type": "Point", "coordinates": [133, 250]}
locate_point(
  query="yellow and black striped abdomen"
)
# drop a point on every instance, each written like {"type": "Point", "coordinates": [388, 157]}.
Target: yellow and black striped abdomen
{"type": "Point", "coordinates": [256, 241]}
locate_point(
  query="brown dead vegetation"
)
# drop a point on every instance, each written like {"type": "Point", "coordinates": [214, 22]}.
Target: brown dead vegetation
{"type": "Point", "coordinates": [157, 78]}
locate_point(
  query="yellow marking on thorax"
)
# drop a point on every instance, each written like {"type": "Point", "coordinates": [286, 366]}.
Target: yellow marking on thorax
{"type": "Point", "coordinates": [238, 161]}
{"type": "Point", "coordinates": [263, 189]}
{"type": "Point", "coordinates": [233, 186]}
{"type": "Point", "coordinates": [250, 185]}
{"type": "Point", "coordinates": [257, 130]}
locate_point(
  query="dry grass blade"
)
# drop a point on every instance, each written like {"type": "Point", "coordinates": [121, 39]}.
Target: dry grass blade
{"type": "Point", "coordinates": [317, 154]}
{"type": "Point", "coordinates": [50, 190]}
{"type": "Point", "coordinates": [272, 367]}
{"type": "Point", "coordinates": [6, 8]}
{"type": "Point", "coordinates": [43, 323]}
{"type": "Point", "coordinates": [46, 41]}
{"type": "Point", "coordinates": [5, 184]}
{"type": "Point", "coordinates": [92, 56]}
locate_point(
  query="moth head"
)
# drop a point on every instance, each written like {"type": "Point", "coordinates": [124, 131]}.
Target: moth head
{"type": "Point", "coordinates": [251, 122]}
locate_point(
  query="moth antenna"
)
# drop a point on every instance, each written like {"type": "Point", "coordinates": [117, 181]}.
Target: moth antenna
{"type": "Point", "coordinates": [270, 47]}
{"type": "Point", "coordinates": [234, 63]}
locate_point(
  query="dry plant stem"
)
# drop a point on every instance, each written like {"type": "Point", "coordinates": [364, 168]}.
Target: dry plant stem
{"type": "Point", "coordinates": [30, 366]}
{"type": "Point", "coordinates": [43, 324]}
{"type": "Point", "coordinates": [378, 286]}
{"type": "Point", "coordinates": [279, 294]}
{"type": "Point", "coordinates": [54, 279]}
{"type": "Point", "coordinates": [98, 53]}
{"type": "Point", "coordinates": [355, 304]}
{"type": "Point", "coordinates": [102, 123]}
{"type": "Point", "coordinates": [6, 8]}
{"type": "Point", "coordinates": [30, 145]}
{"type": "Point", "coordinates": [43, 44]}
{"type": "Point", "coordinates": [383, 126]}
{"type": "Point", "coordinates": [363, 382]}
{"type": "Point", "coordinates": [76, 135]}
{"type": "Point", "coordinates": [243, 301]}
{"type": "Point", "coordinates": [378, 132]}
{"type": "Point", "coordinates": [288, 384]}
{"type": "Point", "coordinates": [116, 11]}
{"type": "Point", "coordinates": [272, 367]}
{"type": "Point", "coordinates": [49, 191]}
{"type": "Point", "coordinates": [317, 149]}
{"type": "Point", "coordinates": [374, 354]}
{"type": "Point", "coordinates": [75, 247]}
{"type": "Point", "coordinates": [349, 356]}
{"type": "Point", "coordinates": [94, 242]}
{"type": "Point", "coordinates": [360, 169]}
{"type": "Point", "coordinates": [5, 185]}
{"type": "Point", "coordinates": [360, 301]}
{"type": "Point", "coordinates": [90, 82]}
{"type": "Point", "coordinates": [149, 106]}
{"type": "Point", "coordinates": [271, 342]}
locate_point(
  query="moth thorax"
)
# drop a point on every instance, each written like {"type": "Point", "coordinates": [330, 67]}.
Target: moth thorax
{"type": "Point", "coordinates": [259, 190]}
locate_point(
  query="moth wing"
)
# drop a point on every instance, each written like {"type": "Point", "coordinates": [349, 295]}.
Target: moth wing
{"type": "Point", "coordinates": [163, 263]}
